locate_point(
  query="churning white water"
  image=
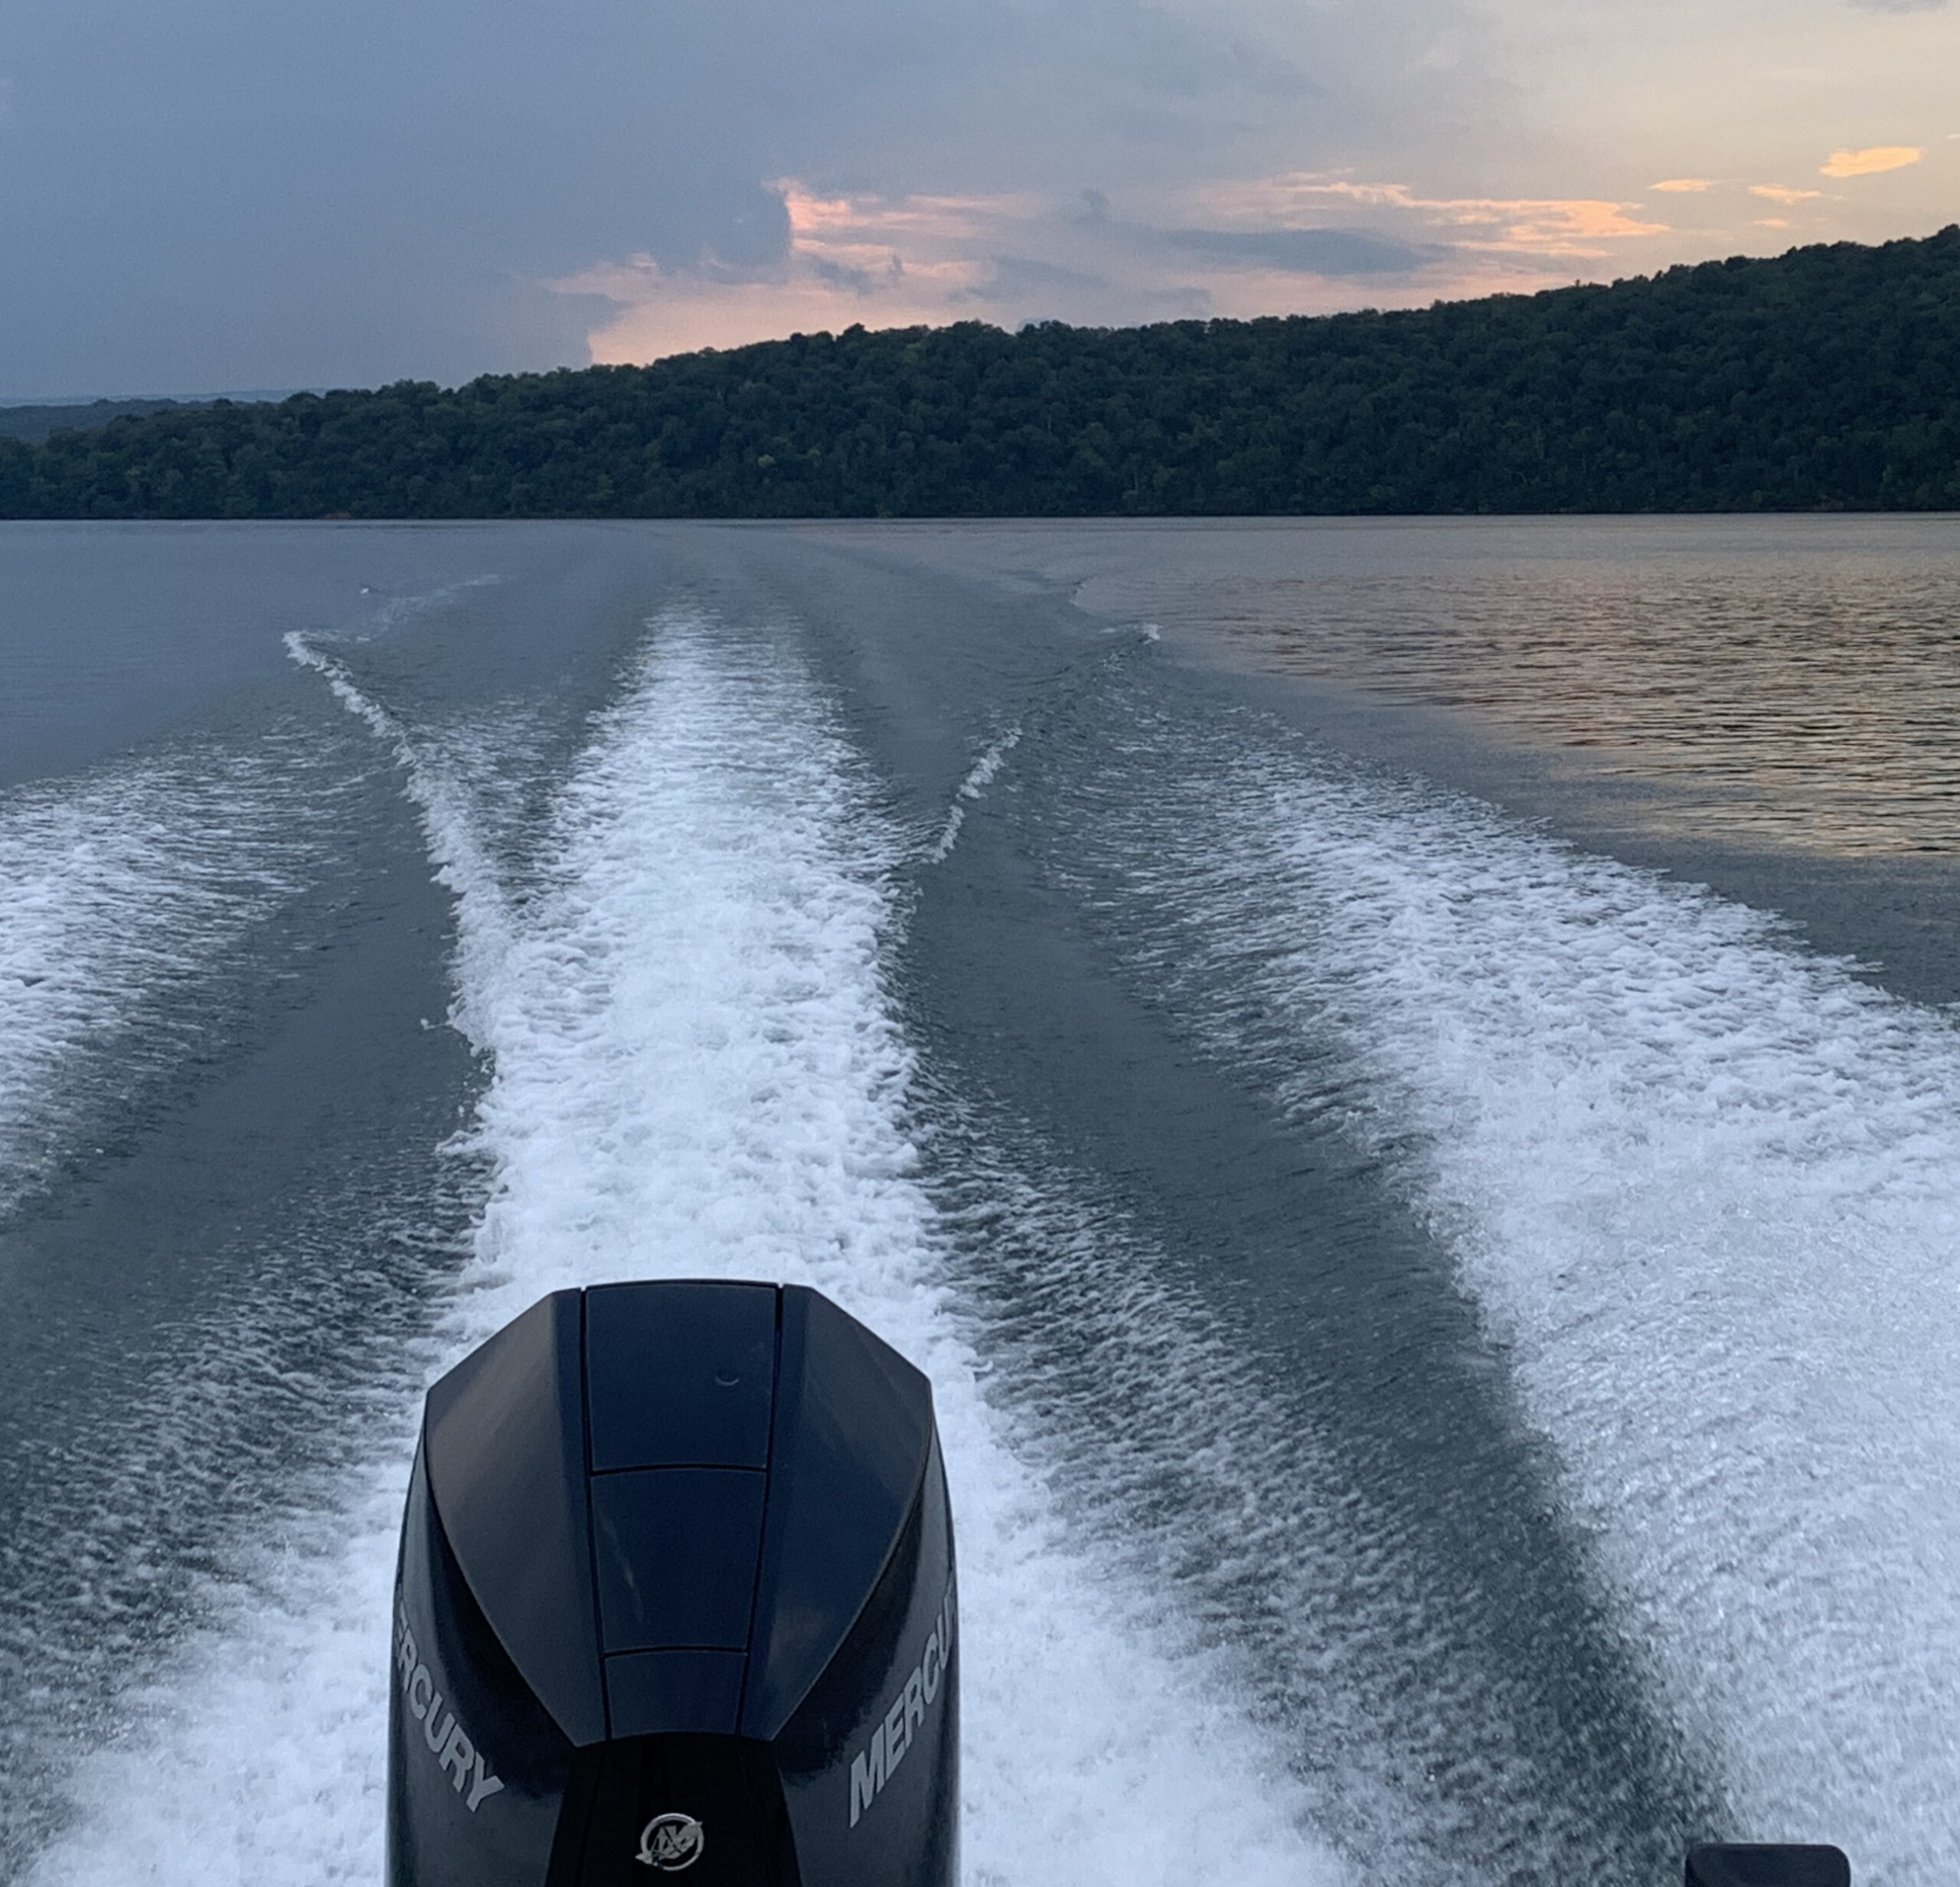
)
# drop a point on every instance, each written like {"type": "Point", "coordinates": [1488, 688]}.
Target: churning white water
{"type": "Point", "coordinates": [1705, 1188]}
{"type": "Point", "coordinates": [696, 1073]}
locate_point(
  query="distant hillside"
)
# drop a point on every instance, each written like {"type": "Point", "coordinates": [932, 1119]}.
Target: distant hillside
{"type": "Point", "coordinates": [1828, 377]}
{"type": "Point", "coordinates": [35, 423]}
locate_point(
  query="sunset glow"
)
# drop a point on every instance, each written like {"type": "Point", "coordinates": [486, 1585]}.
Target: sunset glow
{"type": "Point", "coordinates": [423, 193]}
{"type": "Point", "coordinates": [1866, 163]}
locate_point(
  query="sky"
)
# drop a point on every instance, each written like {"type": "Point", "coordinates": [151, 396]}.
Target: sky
{"type": "Point", "coordinates": [227, 195]}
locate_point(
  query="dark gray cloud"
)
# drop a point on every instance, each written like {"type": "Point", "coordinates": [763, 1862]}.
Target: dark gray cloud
{"type": "Point", "coordinates": [231, 193]}
{"type": "Point", "coordinates": [1015, 276]}
{"type": "Point", "coordinates": [1336, 253]}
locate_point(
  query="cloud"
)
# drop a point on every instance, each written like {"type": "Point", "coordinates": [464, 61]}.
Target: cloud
{"type": "Point", "coordinates": [1782, 193]}
{"type": "Point", "coordinates": [1873, 158]}
{"type": "Point", "coordinates": [1321, 252]}
{"type": "Point", "coordinates": [887, 261]}
{"type": "Point", "coordinates": [1304, 243]}
{"type": "Point", "coordinates": [1549, 229]}
{"type": "Point", "coordinates": [224, 193]}
{"type": "Point", "coordinates": [1016, 279]}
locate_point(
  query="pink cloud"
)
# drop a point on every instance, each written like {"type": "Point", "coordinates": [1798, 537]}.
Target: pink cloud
{"type": "Point", "coordinates": [898, 261]}
{"type": "Point", "coordinates": [1873, 158]}
{"type": "Point", "coordinates": [887, 262]}
{"type": "Point", "coordinates": [1554, 228]}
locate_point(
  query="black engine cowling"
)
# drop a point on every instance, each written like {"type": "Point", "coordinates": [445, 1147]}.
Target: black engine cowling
{"type": "Point", "coordinates": [676, 1594]}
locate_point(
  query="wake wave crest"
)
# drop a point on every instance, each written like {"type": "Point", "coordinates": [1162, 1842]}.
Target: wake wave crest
{"type": "Point", "coordinates": [124, 890]}
{"type": "Point", "coordinates": [1705, 1188]}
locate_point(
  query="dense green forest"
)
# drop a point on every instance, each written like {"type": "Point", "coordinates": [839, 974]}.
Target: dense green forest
{"type": "Point", "coordinates": [1828, 377]}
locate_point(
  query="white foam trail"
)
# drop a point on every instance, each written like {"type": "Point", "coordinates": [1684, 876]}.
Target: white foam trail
{"type": "Point", "coordinates": [697, 1074]}
{"type": "Point", "coordinates": [1706, 1190]}
{"type": "Point", "coordinates": [434, 777]}
{"type": "Point", "coordinates": [979, 777]}
{"type": "Point", "coordinates": [254, 1756]}
{"type": "Point", "coordinates": [122, 890]}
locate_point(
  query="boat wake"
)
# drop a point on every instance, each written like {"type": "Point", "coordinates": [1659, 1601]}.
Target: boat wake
{"type": "Point", "coordinates": [696, 1073]}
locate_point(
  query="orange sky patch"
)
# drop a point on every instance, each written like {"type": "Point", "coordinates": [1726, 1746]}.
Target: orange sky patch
{"type": "Point", "coordinates": [1554, 227]}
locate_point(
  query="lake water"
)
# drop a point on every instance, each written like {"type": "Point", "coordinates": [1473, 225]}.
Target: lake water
{"type": "Point", "coordinates": [1402, 1079]}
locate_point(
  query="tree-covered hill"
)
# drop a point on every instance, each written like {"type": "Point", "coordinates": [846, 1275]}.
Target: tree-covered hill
{"type": "Point", "coordinates": [1827, 377]}
{"type": "Point", "coordinates": [34, 423]}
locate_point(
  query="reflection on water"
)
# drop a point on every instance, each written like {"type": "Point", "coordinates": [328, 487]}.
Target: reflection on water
{"type": "Point", "coordinates": [1791, 681]}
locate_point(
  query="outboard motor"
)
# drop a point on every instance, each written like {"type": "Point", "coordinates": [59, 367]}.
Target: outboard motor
{"type": "Point", "coordinates": [1767, 1864]}
{"type": "Point", "coordinates": [675, 1595]}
